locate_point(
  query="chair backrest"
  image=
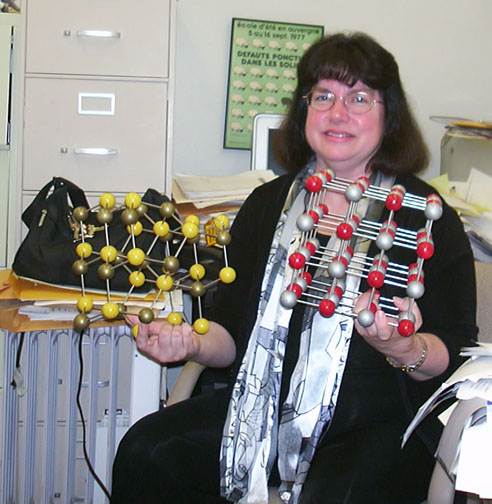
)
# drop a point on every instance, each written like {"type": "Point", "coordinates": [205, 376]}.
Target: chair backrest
{"type": "Point", "coordinates": [484, 300]}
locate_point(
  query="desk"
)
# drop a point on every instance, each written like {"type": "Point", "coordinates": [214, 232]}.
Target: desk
{"type": "Point", "coordinates": [42, 457]}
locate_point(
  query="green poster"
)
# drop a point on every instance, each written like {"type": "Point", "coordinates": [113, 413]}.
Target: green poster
{"type": "Point", "coordinates": [262, 72]}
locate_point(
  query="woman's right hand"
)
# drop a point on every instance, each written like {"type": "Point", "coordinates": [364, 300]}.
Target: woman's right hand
{"type": "Point", "coordinates": [164, 342]}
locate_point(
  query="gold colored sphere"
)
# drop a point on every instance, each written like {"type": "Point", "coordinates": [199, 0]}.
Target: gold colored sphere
{"type": "Point", "coordinates": [80, 213]}
{"type": "Point", "coordinates": [170, 264]}
{"type": "Point", "coordinates": [81, 322]}
{"type": "Point", "coordinates": [129, 216]}
{"type": "Point", "coordinates": [166, 209]}
{"type": "Point", "coordinates": [80, 267]}
{"type": "Point", "coordinates": [197, 289]}
{"type": "Point", "coordinates": [105, 271]}
{"type": "Point", "coordinates": [223, 237]}
{"type": "Point", "coordinates": [141, 209]}
{"type": "Point", "coordinates": [104, 216]}
{"type": "Point", "coordinates": [146, 315]}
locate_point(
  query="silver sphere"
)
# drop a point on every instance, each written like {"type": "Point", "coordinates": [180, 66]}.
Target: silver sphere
{"type": "Point", "coordinates": [433, 211]}
{"type": "Point", "coordinates": [353, 192]}
{"type": "Point", "coordinates": [288, 299]}
{"type": "Point", "coordinates": [336, 269]}
{"type": "Point", "coordinates": [305, 252]}
{"type": "Point", "coordinates": [415, 289]}
{"type": "Point", "coordinates": [305, 222]}
{"type": "Point", "coordinates": [384, 241]}
{"type": "Point", "coordinates": [302, 283]}
{"type": "Point", "coordinates": [365, 318]}
{"type": "Point", "coordinates": [406, 315]}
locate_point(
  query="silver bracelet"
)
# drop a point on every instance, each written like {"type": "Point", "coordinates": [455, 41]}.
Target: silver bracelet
{"type": "Point", "coordinates": [410, 368]}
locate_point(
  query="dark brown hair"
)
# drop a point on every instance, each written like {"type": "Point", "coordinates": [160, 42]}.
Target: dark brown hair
{"type": "Point", "coordinates": [351, 58]}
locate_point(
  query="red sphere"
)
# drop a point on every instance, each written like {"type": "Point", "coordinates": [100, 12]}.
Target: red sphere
{"type": "Point", "coordinates": [307, 276]}
{"type": "Point", "coordinates": [324, 208]}
{"type": "Point", "coordinates": [326, 307]}
{"type": "Point", "coordinates": [425, 249]}
{"type": "Point", "coordinates": [406, 327]}
{"type": "Point", "coordinates": [313, 183]}
{"type": "Point", "coordinates": [338, 291]}
{"type": "Point", "coordinates": [344, 231]}
{"type": "Point", "coordinates": [314, 215]}
{"type": "Point", "coordinates": [375, 278]}
{"type": "Point", "coordinates": [296, 289]}
{"type": "Point", "coordinates": [297, 260]}
{"type": "Point", "coordinates": [393, 201]}
{"type": "Point", "coordinates": [310, 246]}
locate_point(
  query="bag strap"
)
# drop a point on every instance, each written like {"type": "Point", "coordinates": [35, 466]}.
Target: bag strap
{"type": "Point", "coordinates": [76, 194]}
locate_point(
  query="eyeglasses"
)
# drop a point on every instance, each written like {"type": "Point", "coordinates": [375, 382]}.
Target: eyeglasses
{"type": "Point", "coordinates": [356, 102]}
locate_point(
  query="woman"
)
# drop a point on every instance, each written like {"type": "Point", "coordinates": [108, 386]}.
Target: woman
{"type": "Point", "coordinates": [317, 406]}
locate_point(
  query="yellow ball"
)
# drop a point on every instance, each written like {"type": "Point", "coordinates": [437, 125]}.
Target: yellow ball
{"type": "Point", "coordinates": [110, 310]}
{"type": "Point", "coordinates": [221, 221]}
{"type": "Point", "coordinates": [197, 271]}
{"type": "Point", "coordinates": [192, 218]}
{"type": "Point", "coordinates": [136, 278]}
{"type": "Point", "coordinates": [161, 228]}
{"type": "Point", "coordinates": [132, 200]}
{"type": "Point", "coordinates": [106, 200]}
{"type": "Point", "coordinates": [108, 253]}
{"type": "Point", "coordinates": [227, 274]}
{"type": "Point", "coordinates": [83, 250]}
{"type": "Point", "coordinates": [136, 228]}
{"type": "Point", "coordinates": [135, 256]}
{"type": "Point", "coordinates": [189, 229]}
{"type": "Point", "coordinates": [164, 282]}
{"type": "Point", "coordinates": [135, 331]}
{"type": "Point", "coordinates": [84, 304]}
{"type": "Point", "coordinates": [200, 325]}
{"type": "Point", "coordinates": [174, 318]}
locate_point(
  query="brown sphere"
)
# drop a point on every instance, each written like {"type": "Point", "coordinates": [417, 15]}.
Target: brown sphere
{"type": "Point", "coordinates": [170, 264]}
{"type": "Point", "coordinates": [223, 237]}
{"type": "Point", "coordinates": [166, 209]}
{"type": "Point", "coordinates": [80, 267]}
{"type": "Point", "coordinates": [146, 315]}
{"type": "Point", "coordinates": [141, 209]}
{"type": "Point", "coordinates": [195, 239]}
{"type": "Point", "coordinates": [80, 213]}
{"type": "Point", "coordinates": [167, 237]}
{"type": "Point", "coordinates": [105, 271]}
{"type": "Point", "coordinates": [104, 216]}
{"type": "Point", "coordinates": [129, 216]}
{"type": "Point", "coordinates": [81, 322]}
{"type": "Point", "coordinates": [197, 289]}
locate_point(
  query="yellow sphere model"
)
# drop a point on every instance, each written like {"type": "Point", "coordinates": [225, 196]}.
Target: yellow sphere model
{"type": "Point", "coordinates": [136, 228]}
{"type": "Point", "coordinates": [197, 271]}
{"type": "Point", "coordinates": [132, 200]}
{"type": "Point", "coordinates": [136, 278]}
{"type": "Point", "coordinates": [161, 228]}
{"type": "Point", "coordinates": [83, 250]}
{"type": "Point", "coordinates": [189, 229]}
{"type": "Point", "coordinates": [201, 326]}
{"type": "Point", "coordinates": [135, 256]}
{"type": "Point", "coordinates": [227, 274]}
{"type": "Point", "coordinates": [84, 304]}
{"type": "Point", "coordinates": [135, 330]}
{"type": "Point", "coordinates": [108, 253]}
{"type": "Point", "coordinates": [110, 310]}
{"type": "Point", "coordinates": [106, 200]}
{"type": "Point", "coordinates": [192, 218]}
{"type": "Point", "coordinates": [174, 318]}
{"type": "Point", "coordinates": [164, 282]}
{"type": "Point", "coordinates": [221, 221]}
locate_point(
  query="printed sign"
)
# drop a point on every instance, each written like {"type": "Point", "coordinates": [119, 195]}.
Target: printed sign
{"type": "Point", "coordinates": [262, 72]}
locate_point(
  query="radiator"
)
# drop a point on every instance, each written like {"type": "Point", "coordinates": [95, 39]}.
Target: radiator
{"type": "Point", "coordinates": [42, 450]}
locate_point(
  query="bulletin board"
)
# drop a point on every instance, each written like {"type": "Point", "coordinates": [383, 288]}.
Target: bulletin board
{"type": "Point", "coordinates": [262, 72]}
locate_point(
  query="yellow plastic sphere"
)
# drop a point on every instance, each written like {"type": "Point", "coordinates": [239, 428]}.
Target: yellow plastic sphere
{"type": "Point", "coordinates": [227, 274]}
{"type": "Point", "coordinates": [174, 318]}
{"type": "Point", "coordinates": [106, 200]}
{"type": "Point", "coordinates": [161, 228]}
{"type": "Point", "coordinates": [84, 304]}
{"type": "Point", "coordinates": [83, 250]}
{"type": "Point", "coordinates": [164, 282]}
{"type": "Point", "coordinates": [108, 253]}
{"type": "Point", "coordinates": [136, 278]}
{"type": "Point", "coordinates": [136, 228]}
{"type": "Point", "coordinates": [135, 330]}
{"type": "Point", "coordinates": [110, 310]}
{"type": "Point", "coordinates": [197, 271]}
{"type": "Point", "coordinates": [192, 218]}
{"type": "Point", "coordinates": [189, 229]}
{"type": "Point", "coordinates": [200, 326]}
{"type": "Point", "coordinates": [132, 200]}
{"type": "Point", "coordinates": [135, 256]}
{"type": "Point", "coordinates": [221, 221]}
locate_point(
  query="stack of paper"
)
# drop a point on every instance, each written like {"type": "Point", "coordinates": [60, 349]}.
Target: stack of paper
{"type": "Point", "coordinates": [473, 451]}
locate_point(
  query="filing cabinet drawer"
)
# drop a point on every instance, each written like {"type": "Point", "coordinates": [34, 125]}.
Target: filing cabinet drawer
{"type": "Point", "coordinates": [94, 37]}
{"type": "Point", "coordinates": [102, 135]}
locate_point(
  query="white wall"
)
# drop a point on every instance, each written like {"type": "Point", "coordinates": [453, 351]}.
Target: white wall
{"type": "Point", "coordinates": [443, 48]}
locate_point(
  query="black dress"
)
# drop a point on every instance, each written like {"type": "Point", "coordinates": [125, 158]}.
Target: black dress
{"type": "Point", "coordinates": [172, 456]}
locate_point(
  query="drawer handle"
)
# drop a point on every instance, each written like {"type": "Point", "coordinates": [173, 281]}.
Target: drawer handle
{"type": "Point", "coordinates": [95, 151]}
{"type": "Point", "coordinates": [98, 33]}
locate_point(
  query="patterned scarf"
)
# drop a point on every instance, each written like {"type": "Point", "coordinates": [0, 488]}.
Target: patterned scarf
{"type": "Point", "coordinates": [253, 427]}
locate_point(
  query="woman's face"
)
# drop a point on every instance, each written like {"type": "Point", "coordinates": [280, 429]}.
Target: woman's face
{"type": "Point", "coordinates": [341, 140]}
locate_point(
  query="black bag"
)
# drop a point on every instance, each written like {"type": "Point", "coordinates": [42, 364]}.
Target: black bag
{"type": "Point", "coordinates": [48, 251]}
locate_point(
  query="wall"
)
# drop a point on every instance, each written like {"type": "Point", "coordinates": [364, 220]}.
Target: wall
{"type": "Point", "coordinates": [438, 43]}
